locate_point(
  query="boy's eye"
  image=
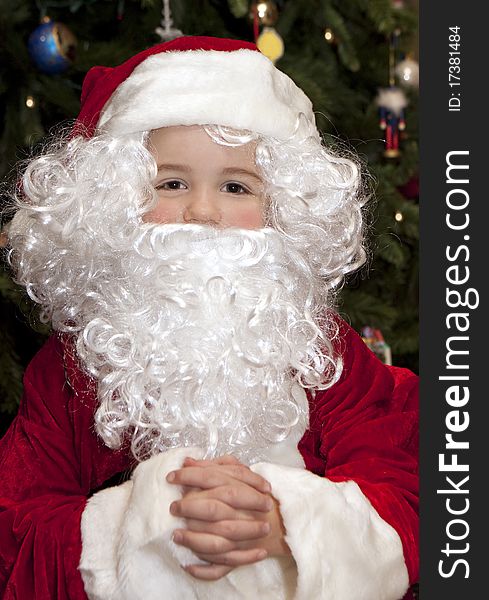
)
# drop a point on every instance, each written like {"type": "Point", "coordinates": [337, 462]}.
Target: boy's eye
{"type": "Point", "coordinates": [172, 184]}
{"type": "Point", "coordinates": [235, 188]}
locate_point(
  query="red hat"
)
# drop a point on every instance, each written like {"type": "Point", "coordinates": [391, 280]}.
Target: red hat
{"type": "Point", "coordinates": [194, 81]}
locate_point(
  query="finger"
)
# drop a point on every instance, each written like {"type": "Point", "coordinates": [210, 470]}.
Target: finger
{"type": "Point", "coordinates": [225, 459]}
{"type": "Point", "coordinates": [237, 531]}
{"type": "Point", "coordinates": [237, 496]}
{"type": "Point", "coordinates": [245, 475]}
{"type": "Point", "coordinates": [212, 476]}
{"type": "Point", "coordinates": [236, 558]}
{"type": "Point", "coordinates": [204, 509]}
{"type": "Point", "coordinates": [202, 543]}
{"type": "Point", "coordinates": [208, 572]}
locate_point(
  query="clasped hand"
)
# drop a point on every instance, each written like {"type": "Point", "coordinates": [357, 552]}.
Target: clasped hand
{"type": "Point", "coordinates": [231, 517]}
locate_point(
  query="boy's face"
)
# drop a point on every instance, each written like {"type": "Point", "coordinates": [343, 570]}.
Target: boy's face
{"type": "Point", "coordinates": [200, 181]}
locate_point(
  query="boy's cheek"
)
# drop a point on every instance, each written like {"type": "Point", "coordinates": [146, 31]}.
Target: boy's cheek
{"type": "Point", "coordinates": [244, 217]}
{"type": "Point", "coordinates": [163, 214]}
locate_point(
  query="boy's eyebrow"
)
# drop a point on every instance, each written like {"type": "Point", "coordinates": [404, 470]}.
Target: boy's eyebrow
{"type": "Point", "coordinates": [241, 171]}
{"type": "Point", "coordinates": [174, 167]}
{"type": "Point", "coordinates": [226, 171]}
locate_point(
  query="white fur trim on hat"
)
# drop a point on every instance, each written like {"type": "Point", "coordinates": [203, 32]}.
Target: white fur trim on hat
{"type": "Point", "coordinates": [240, 89]}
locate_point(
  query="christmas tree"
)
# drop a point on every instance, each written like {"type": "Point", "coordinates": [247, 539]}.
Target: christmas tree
{"type": "Point", "coordinates": [340, 53]}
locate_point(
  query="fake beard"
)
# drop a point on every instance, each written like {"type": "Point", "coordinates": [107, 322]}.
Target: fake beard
{"type": "Point", "coordinates": [201, 338]}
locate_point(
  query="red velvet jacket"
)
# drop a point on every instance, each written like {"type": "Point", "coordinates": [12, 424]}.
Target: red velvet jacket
{"type": "Point", "coordinates": [364, 428]}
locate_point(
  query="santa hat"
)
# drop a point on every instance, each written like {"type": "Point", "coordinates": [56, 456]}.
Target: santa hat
{"type": "Point", "coordinates": [195, 81]}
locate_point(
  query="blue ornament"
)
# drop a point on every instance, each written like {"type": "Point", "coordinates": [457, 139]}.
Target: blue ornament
{"type": "Point", "coordinates": [52, 47]}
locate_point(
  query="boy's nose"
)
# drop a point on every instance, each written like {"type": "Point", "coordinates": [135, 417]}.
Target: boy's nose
{"type": "Point", "coordinates": [203, 208]}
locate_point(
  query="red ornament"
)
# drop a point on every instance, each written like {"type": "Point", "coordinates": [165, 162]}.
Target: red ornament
{"type": "Point", "coordinates": [410, 189]}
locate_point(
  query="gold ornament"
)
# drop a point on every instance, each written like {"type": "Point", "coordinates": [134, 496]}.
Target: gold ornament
{"type": "Point", "coordinates": [66, 41]}
{"type": "Point", "coordinates": [270, 44]}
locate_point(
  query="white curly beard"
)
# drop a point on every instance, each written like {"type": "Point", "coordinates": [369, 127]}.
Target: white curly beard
{"type": "Point", "coordinates": [200, 338]}
{"type": "Point", "coordinates": [190, 350]}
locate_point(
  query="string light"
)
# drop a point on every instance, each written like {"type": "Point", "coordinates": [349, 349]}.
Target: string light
{"type": "Point", "coordinates": [30, 102]}
{"type": "Point", "coordinates": [398, 216]}
{"type": "Point", "coordinates": [261, 7]}
{"type": "Point", "coordinates": [408, 72]}
{"type": "Point", "coordinates": [328, 35]}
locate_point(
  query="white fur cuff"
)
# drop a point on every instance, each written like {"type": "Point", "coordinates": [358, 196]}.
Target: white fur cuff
{"type": "Point", "coordinates": [126, 533]}
{"type": "Point", "coordinates": [128, 553]}
{"type": "Point", "coordinates": [342, 548]}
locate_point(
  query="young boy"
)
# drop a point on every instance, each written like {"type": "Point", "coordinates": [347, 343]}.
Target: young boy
{"type": "Point", "coordinates": [202, 424]}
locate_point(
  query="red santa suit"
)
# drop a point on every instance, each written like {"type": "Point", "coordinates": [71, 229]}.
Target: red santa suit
{"type": "Point", "coordinates": [73, 525]}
